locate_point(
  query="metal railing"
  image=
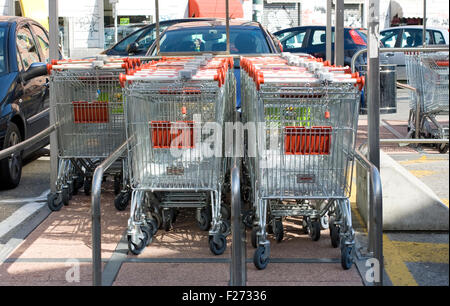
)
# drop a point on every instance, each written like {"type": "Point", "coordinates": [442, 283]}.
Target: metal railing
{"type": "Point", "coordinates": [97, 180]}
{"type": "Point", "coordinates": [27, 143]}
{"type": "Point", "coordinates": [375, 218]}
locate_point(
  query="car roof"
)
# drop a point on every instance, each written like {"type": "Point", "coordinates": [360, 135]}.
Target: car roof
{"type": "Point", "coordinates": [213, 22]}
{"type": "Point", "coordinates": [312, 27]}
{"type": "Point", "coordinates": [415, 27]}
{"type": "Point", "coordinates": [12, 19]}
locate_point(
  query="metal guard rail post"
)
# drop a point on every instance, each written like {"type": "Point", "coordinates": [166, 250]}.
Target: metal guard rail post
{"type": "Point", "coordinates": [95, 212]}
{"type": "Point", "coordinates": [375, 222]}
{"type": "Point", "coordinates": [27, 143]}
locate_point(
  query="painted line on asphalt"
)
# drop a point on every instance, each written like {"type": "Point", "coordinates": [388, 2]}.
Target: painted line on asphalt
{"type": "Point", "coordinates": [422, 160]}
{"type": "Point", "coordinates": [19, 216]}
{"type": "Point", "coordinates": [422, 173]}
{"type": "Point", "coordinates": [422, 251]}
{"type": "Point", "coordinates": [445, 202]}
{"type": "Point", "coordinates": [395, 266]}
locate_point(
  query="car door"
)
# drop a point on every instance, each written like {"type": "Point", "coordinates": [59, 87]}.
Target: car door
{"type": "Point", "coordinates": [293, 41]}
{"type": "Point", "coordinates": [42, 117]}
{"type": "Point", "coordinates": [30, 98]}
{"type": "Point", "coordinates": [317, 43]}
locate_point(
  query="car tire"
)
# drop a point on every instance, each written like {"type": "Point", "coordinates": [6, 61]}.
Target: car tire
{"type": "Point", "coordinates": [11, 168]}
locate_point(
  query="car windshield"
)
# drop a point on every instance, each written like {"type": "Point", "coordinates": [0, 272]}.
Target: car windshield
{"type": "Point", "coordinates": [213, 39]}
{"type": "Point", "coordinates": [2, 49]}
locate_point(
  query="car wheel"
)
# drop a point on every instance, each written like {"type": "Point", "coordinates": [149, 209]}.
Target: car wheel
{"type": "Point", "coordinates": [11, 167]}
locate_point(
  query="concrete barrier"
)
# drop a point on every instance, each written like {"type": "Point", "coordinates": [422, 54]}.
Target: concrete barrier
{"type": "Point", "coordinates": [408, 204]}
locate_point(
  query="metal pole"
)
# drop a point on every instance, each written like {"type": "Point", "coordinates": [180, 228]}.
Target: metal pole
{"type": "Point", "coordinates": [114, 7]}
{"type": "Point", "coordinates": [227, 20]}
{"type": "Point", "coordinates": [238, 273]}
{"type": "Point", "coordinates": [424, 32]}
{"type": "Point", "coordinates": [339, 33]}
{"type": "Point", "coordinates": [157, 25]}
{"type": "Point", "coordinates": [373, 83]}
{"type": "Point", "coordinates": [54, 54]}
{"type": "Point", "coordinates": [257, 10]}
{"type": "Point", "coordinates": [328, 32]}
{"type": "Point", "coordinates": [299, 14]}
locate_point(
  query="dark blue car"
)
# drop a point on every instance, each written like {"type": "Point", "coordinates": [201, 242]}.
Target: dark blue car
{"type": "Point", "coordinates": [24, 94]}
{"type": "Point", "coordinates": [312, 40]}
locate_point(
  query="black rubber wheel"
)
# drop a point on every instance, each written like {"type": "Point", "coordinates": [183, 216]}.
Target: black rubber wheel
{"type": "Point", "coordinates": [148, 233]}
{"type": "Point", "coordinates": [225, 212]}
{"type": "Point", "coordinates": [314, 231]}
{"type": "Point", "coordinates": [305, 228]}
{"type": "Point", "coordinates": [278, 230]}
{"type": "Point", "coordinates": [205, 219]}
{"type": "Point", "coordinates": [269, 226]}
{"type": "Point", "coordinates": [136, 249]}
{"type": "Point", "coordinates": [254, 237]}
{"type": "Point", "coordinates": [87, 186]}
{"type": "Point", "coordinates": [443, 148]}
{"type": "Point", "coordinates": [334, 234]}
{"type": "Point", "coordinates": [167, 220]}
{"type": "Point", "coordinates": [11, 167]}
{"type": "Point", "coordinates": [53, 202]}
{"type": "Point", "coordinates": [218, 248]}
{"type": "Point", "coordinates": [247, 218]}
{"type": "Point", "coordinates": [346, 257]}
{"type": "Point", "coordinates": [258, 260]}
{"type": "Point", "coordinates": [121, 201]}
{"type": "Point", "coordinates": [65, 196]}
{"type": "Point", "coordinates": [153, 225]}
{"type": "Point", "coordinates": [225, 228]}
{"type": "Point", "coordinates": [70, 185]}
{"type": "Point", "coordinates": [117, 185]}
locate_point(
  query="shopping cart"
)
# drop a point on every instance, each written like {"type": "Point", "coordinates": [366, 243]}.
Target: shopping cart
{"type": "Point", "coordinates": [428, 74]}
{"type": "Point", "coordinates": [175, 111]}
{"type": "Point", "coordinates": [301, 161]}
{"type": "Point", "coordinates": [89, 111]}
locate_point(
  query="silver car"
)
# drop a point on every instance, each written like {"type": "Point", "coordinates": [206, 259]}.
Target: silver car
{"type": "Point", "coordinates": [408, 37]}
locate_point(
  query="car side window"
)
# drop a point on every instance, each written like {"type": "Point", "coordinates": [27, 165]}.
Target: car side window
{"type": "Point", "coordinates": [42, 39]}
{"type": "Point", "coordinates": [27, 48]}
{"type": "Point", "coordinates": [389, 38]}
{"type": "Point", "coordinates": [294, 40]}
{"type": "Point", "coordinates": [438, 38]}
{"type": "Point", "coordinates": [413, 38]}
{"type": "Point", "coordinates": [318, 38]}
{"type": "Point", "coordinates": [122, 46]}
{"type": "Point", "coordinates": [148, 38]}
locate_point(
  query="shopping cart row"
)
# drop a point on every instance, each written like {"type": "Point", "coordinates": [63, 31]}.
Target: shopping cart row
{"type": "Point", "coordinates": [428, 74]}
{"type": "Point", "coordinates": [173, 113]}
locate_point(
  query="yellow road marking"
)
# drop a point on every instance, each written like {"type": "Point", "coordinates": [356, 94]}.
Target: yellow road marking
{"type": "Point", "coordinates": [445, 201]}
{"type": "Point", "coordinates": [394, 265]}
{"type": "Point", "coordinates": [422, 251]}
{"type": "Point", "coordinates": [422, 160]}
{"type": "Point", "coordinates": [422, 173]}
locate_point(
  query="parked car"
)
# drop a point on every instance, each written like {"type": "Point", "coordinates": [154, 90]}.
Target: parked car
{"type": "Point", "coordinates": [408, 37]}
{"type": "Point", "coordinates": [138, 42]}
{"type": "Point", "coordinates": [312, 40]}
{"type": "Point", "coordinates": [122, 32]}
{"type": "Point", "coordinates": [246, 37]}
{"type": "Point", "coordinates": [24, 93]}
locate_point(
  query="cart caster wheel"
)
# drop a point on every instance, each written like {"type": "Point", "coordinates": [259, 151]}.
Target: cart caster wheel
{"type": "Point", "coordinates": [218, 248]}
{"type": "Point", "coordinates": [76, 185]}
{"type": "Point", "coordinates": [314, 230]}
{"type": "Point", "coordinates": [53, 202]}
{"type": "Point", "coordinates": [137, 249]}
{"type": "Point", "coordinates": [87, 186]}
{"type": "Point", "coordinates": [305, 228]}
{"type": "Point", "coordinates": [65, 196]}
{"type": "Point", "coordinates": [173, 215]}
{"type": "Point", "coordinates": [225, 212]}
{"type": "Point", "coordinates": [117, 185]}
{"type": "Point", "coordinates": [205, 219]}
{"type": "Point", "coordinates": [278, 230]}
{"type": "Point", "coordinates": [225, 228]}
{"type": "Point", "coordinates": [254, 237]}
{"type": "Point", "coordinates": [158, 219]}
{"type": "Point", "coordinates": [167, 220]}
{"type": "Point", "coordinates": [148, 233]}
{"type": "Point", "coordinates": [153, 226]}
{"type": "Point", "coordinates": [258, 260]}
{"type": "Point", "coordinates": [346, 257]}
{"type": "Point", "coordinates": [71, 188]}
{"type": "Point", "coordinates": [324, 222]}
{"type": "Point", "coordinates": [121, 201]}
{"type": "Point", "coordinates": [247, 218]}
{"type": "Point", "coordinates": [334, 234]}
{"type": "Point", "coordinates": [443, 148]}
